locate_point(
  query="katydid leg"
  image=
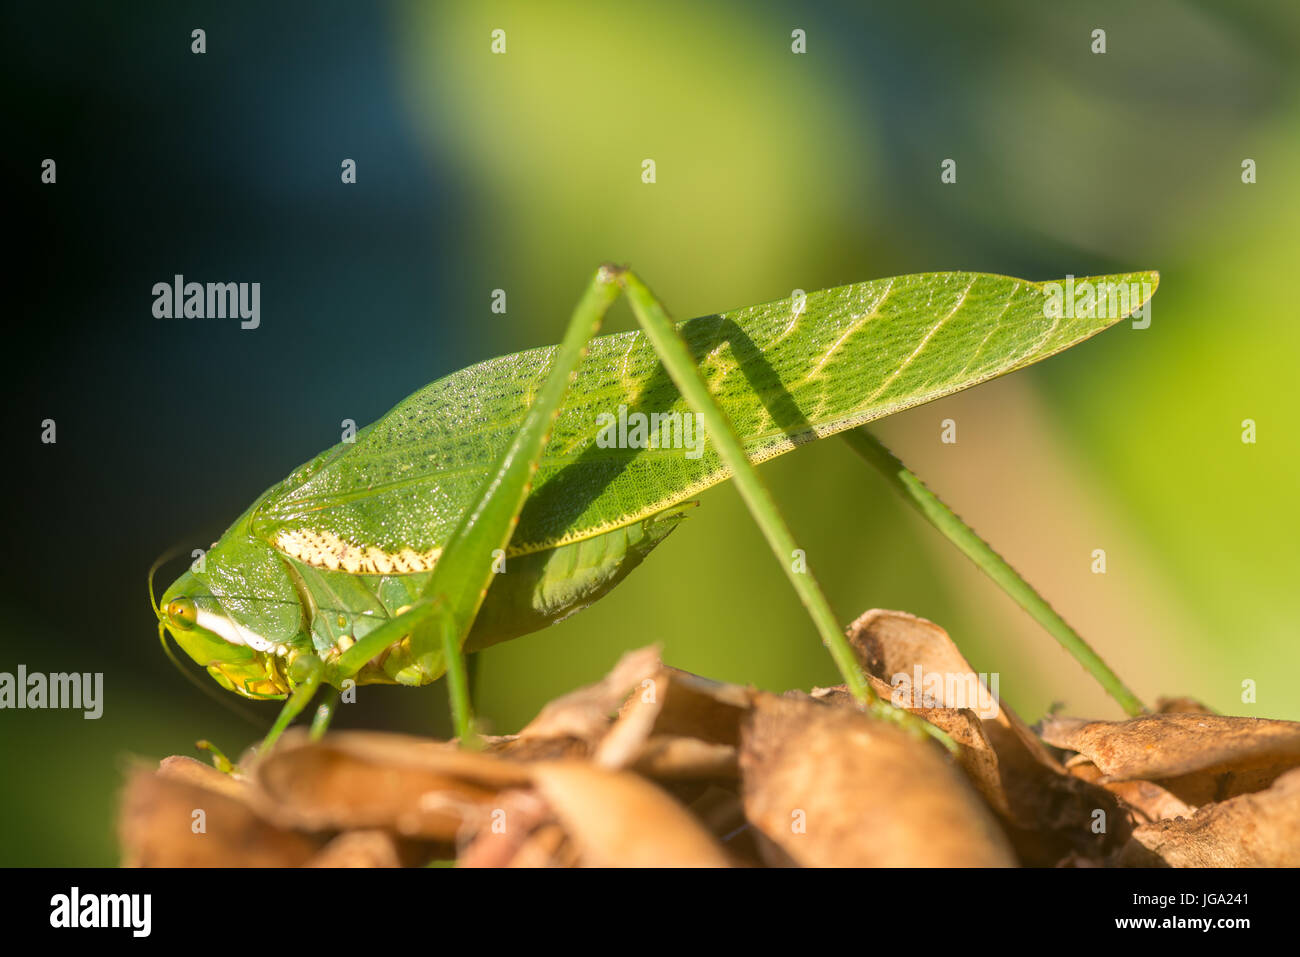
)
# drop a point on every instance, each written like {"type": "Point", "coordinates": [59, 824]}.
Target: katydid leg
{"type": "Point", "coordinates": [465, 568]}
{"type": "Point", "coordinates": [919, 496]}
{"type": "Point", "coordinates": [324, 713]}
{"type": "Point", "coordinates": [306, 672]}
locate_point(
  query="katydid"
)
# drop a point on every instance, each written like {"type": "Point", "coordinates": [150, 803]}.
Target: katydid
{"type": "Point", "coordinates": [501, 498]}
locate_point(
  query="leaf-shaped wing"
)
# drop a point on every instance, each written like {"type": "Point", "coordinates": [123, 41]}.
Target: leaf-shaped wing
{"type": "Point", "coordinates": [785, 373]}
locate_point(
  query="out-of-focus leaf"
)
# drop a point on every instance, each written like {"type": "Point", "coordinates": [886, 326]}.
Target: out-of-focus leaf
{"type": "Point", "coordinates": [587, 712]}
{"type": "Point", "coordinates": [167, 820]}
{"type": "Point", "coordinates": [1252, 830]}
{"type": "Point", "coordinates": [677, 725]}
{"type": "Point", "coordinates": [1145, 801]}
{"type": "Point", "coordinates": [1198, 757]}
{"type": "Point", "coordinates": [619, 819]}
{"type": "Point", "coordinates": [830, 787]}
{"type": "Point", "coordinates": [1050, 812]}
{"type": "Point", "coordinates": [353, 779]}
{"type": "Point", "coordinates": [359, 849]}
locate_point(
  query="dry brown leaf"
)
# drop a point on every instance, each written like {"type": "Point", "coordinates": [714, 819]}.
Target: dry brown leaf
{"type": "Point", "coordinates": [618, 819]}
{"type": "Point", "coordinates": [512, 836]}
{"type": "Point", "coordinates": [720, 810]}
{"type": "Point", "coordinates": [359, 849]}
{"type": "Point", "coordinates": [587, 712]}
{"type": "Point", "coordinates": [1185, 705]}
{"type": "Point", "coordinates": [677, 726]}
{"type": "Point", "coordinates": [626, 738]}
{"type": "Point", "coordinates": [179, 767]}
{"type": "Point", "coordinates": [894, 644]}
{"type": "Point", "coordinates": [975, 754]}
{"type": "Point", "coordinates": [515, 748]}
{"type": "Point", "coordinates": [831, 787]}
{"type": "Point", "coordinates": [548, 846]}
{"type": "Point", "coordinates": [1145, 800]}
{"type": "Point", "coordinates": [1200, 758]}
{"type": "Point", "coordinates": [697, 707]}
{"type": "Point", "coordinates": [667, 757]}
{"type": "Point", "coordinates": [1049, 812]}
{"type": "Point", "coordinates": [1149, 800]}
{"type": "Point", "coordinates": [572, 787]}
{"type": "Point", "coordinates": [355, 779]}
{"type": "Point", "coordinates": [158, 821]}
{"type": "Point", "coordinates": [1252, 830]}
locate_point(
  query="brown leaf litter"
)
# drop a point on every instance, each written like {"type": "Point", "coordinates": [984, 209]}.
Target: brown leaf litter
{"type": "Point", "coordinates": [652, 766]}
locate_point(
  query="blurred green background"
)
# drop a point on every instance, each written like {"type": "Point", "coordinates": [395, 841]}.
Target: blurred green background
{"type": "Point", "coordinates": [775, 171]}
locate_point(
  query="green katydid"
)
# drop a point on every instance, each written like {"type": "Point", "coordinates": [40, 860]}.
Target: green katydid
{"type": "Point", "coordinates": [500, 498]}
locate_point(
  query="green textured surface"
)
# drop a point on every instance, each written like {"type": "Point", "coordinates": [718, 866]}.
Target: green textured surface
{"type": "Point", "coordinates": [855, 354]}
{"type": "Point", "coordinates": [785, 373]}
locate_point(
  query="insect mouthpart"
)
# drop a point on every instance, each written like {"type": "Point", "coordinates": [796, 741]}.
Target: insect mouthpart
{"type": "Point", "coordinates": [262, 678]}
{"type": "Point", "coordinates": [236, 657]}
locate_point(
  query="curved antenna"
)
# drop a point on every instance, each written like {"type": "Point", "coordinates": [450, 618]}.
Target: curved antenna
{"type": "Point", "coordinates": [159, 562]}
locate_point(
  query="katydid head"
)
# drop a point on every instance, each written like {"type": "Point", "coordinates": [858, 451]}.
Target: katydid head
{"type": "Point", "coordinates": [238, 660]}
{"type": "Point", "coordinates": [232, 623]}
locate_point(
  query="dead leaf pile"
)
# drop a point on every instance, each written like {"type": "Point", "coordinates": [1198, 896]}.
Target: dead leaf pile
{"type": "Point", "coordinates": [1197, 789]}
{"type": "Point", "coordinates": [653, 766]}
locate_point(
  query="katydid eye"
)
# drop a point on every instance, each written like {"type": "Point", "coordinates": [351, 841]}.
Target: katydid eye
{"type": "Point", "coordinates": [183, 613]}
